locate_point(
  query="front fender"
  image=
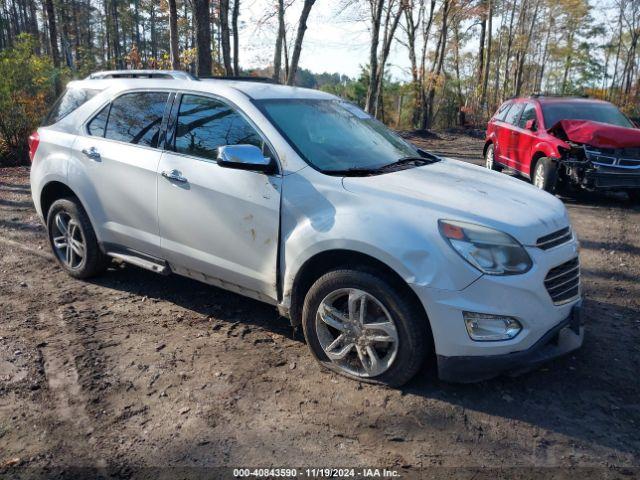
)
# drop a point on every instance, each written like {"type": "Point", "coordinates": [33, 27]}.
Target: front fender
{"type": "Point", "coordinates": [319, 215]}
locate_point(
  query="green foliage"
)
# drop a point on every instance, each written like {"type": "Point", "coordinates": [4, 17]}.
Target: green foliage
{"type": "Point", "coordinates": [26, 91]}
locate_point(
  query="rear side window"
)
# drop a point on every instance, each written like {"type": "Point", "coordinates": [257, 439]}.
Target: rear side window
{"type": "Point", "coordinates": [134, 118]}
{"type": "Point", "coordinates": [529, 113]}
{"type": "Point", "coordinates": [513, 114]}
{"type": "Point", "coordinates": [502, 112]}
{"type": "Point", "coordinates": [70, 100]}
{"type": "Point", "coordinates": [204, 124]}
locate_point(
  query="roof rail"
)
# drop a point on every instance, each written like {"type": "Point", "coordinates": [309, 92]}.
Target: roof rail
{"type": "Point", "coordinates": [161, 74]}
{"type": "Point", "coordinates": [240, 78]}
{"type": "Point", "coordinates": [547, 94]}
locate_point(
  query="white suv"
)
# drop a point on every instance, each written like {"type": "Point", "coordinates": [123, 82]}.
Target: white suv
{"type": "Point", "coordinates": [384, 253]}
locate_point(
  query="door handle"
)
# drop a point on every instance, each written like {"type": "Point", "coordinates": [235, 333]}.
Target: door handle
{"type": "Point", "coordinates": [174, 175]}
{"type": "Point", "coordinates": [92, 153]}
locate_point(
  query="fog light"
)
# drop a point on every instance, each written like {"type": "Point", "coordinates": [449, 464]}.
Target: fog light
{"type": "Point", "coordinates": [483, 327]}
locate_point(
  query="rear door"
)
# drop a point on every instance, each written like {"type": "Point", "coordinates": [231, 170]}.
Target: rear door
{"type": "Point", "coordinates": [119, 155]}
{"type": "Point", "coordinates": [497, 128]}
{"type": "Point", "coordinates": [217, 224]}
{"type": "Point", "coordinates": [509, 136]}
{"type": "Point", "coordinates": [525, 138]}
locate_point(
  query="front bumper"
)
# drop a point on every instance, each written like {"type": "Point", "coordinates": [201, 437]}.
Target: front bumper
{"type": "Point", "coordinates": [523, 297]}
{"type": "Point", "coordinates": [565, 337]}
{"type": "Point", "coordinates": [605, 180]}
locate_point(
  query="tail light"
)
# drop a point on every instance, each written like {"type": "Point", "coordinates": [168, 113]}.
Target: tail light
{"type": "Point", "coordinates": [34, 141]}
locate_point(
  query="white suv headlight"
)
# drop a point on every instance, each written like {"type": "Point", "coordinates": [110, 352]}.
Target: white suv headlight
{"type": "Point", "coordinates": [490, 251]}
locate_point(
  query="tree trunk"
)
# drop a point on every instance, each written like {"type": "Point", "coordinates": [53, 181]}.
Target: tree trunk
{"type": "Point", "coordinates": [483, 32]}
{"type": "Point", "coordinates": [525, 48]}
{"type": "Point", "coordinates": [203, 37]}
{"type": "Point", "coordinates": [277, 57]}
{"type": "Point", "coordinates": [53, 33]}
{"type": "Point", "coordinates": [236, 39]}
{"type": "Point", "coordinates": [485, 80]}
{"type": "Point", "coordinates": [224, 34]}
{"type": "Point", "coordinates": [173, 35]}
{"type": "Point", "coordinates": [508, 55]}
{"type": "Point", "coordinates": [297, 46]}
{"type": "Point", "coordinates": [390, 31]}
{"type": "Point", "coordinates": [376, 20]}
{"type": "Point", "coordinates": [440, 63]}
{"type": "Point", "coordinates": [53, 38]}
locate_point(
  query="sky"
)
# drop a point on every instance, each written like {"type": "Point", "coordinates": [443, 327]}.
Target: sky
{"type": "Point", "coordinates": [336, 40]}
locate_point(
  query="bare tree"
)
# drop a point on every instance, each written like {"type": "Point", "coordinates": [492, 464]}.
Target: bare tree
{"type": "Point", "coordinates": [297, 46]}
{"type": "Point", "coordinates": [280, 39]}
{"type": "Point", "coordinates": [203, 36]}
{"type": "Point", "coordinates": [224, 36]}
{"type": "Point", "coordinates": [173, 35]}
{"type": "Point", "coordinates": [236, 37]}
{"type": "Point", "coordinates": [376, 8]}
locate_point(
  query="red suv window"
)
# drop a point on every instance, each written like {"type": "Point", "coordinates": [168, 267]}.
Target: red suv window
{"type": "Point", "coordinates": [513, 114]}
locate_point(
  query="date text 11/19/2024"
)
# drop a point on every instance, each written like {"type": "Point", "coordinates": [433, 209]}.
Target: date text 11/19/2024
{"type": "Point", "coordinates": [315, 472]}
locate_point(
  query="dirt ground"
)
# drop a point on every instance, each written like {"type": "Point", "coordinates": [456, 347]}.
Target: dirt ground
{"type": "Point", "coordinates": [134, 370]}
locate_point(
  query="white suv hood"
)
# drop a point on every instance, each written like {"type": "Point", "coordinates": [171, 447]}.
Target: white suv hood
{"type": "Point", "coordinates": [456, 190]}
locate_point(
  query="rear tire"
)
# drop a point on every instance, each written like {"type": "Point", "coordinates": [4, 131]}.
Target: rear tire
{"type": "Point", "coordinates": [545, 175]}
{"type": "Point", "coordinates": [73, 240]}
{"type": "Point", "coordinates": [489, 159]}
{"type": "Point", "coordinates": [387, 344]}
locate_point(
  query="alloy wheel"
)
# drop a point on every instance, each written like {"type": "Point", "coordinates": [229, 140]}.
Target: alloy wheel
{"type": "Point", "coordinates": [489, 158]}
{"type": "Point", "coordinates": [68, 240]}
{"type": "Point", "coordinates": [356, 332]}
{"type": "Point", "coordinates": [538, 179]}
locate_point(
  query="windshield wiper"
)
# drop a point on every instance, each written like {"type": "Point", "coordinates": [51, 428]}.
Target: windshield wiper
{"type": "Point", "coordinates": [400, 164]}
{"type": "Point", "coordinates": [409, 162]}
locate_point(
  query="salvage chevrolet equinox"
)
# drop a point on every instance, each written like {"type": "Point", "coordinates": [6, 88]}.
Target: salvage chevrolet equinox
{"type": "Point", "coordinates": [385, 254]}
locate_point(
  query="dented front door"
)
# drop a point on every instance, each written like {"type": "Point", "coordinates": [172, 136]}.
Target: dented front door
{"type": "Point", "coordinates": [219, 222]}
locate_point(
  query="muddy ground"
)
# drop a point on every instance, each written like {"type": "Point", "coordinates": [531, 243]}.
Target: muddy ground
{"type": "Point", "coordinates": [134, 370]}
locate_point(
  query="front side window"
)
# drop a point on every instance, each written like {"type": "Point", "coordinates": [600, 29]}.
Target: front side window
{"type": "Point", "coordinates": [136, 118]}
{"type": "Point", "coordinates": [204, 124]}
{"type": "Point", "coordinates": [514, 114]}
{"type": "Point", "coordinates": [529, 113]}
{"type": "Point", "coordinates": [333, 135]}
{"type": "Point", "coordinates": [98, 124]}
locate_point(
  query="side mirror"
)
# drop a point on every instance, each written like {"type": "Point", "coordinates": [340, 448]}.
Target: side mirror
{"type": "Point", "coordinates": [530, 125]}
{"type": "Point", "coordinates": [244, 157]}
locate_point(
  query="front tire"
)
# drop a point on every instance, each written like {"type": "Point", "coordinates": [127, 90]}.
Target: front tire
{"type": "Point", "coordinates": [545, 175]}
{"type": "Point", "coordinates": [489, 159]}
{"type": "Point", "coordinates": [73, 240]}
{"type": "Point", "coordinates": [356, 323]}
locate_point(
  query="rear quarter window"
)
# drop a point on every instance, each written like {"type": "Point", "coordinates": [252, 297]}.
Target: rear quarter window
{"type": "Point", "coordinates": [513, 114]}
{"type": "Point", "coordinates": [69, 101]}
{"type": "Point", "coordinates": [502, 112]}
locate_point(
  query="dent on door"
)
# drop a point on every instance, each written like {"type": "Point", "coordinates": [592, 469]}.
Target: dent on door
{"type": "Point", "coordinates": [220, 225]}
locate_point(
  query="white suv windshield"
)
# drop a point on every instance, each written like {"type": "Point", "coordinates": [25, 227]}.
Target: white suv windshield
{"type": "Point", "coordinates": [334, 136]}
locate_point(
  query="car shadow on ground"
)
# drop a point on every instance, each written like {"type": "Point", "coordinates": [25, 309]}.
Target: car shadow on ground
{"type": "Point", "coordinates": [574, 388]}
{"type": "Point", "coordinates": [196, 296]}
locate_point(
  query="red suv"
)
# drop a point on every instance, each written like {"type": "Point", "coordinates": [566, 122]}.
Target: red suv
{"type": "Point", "coordinates": [588, 144]}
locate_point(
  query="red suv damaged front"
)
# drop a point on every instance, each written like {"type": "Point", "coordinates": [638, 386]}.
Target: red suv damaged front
{"type": "Point", "coordinates": [553, 140]}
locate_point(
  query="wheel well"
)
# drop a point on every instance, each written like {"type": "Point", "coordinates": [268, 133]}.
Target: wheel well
{"type": "Point", "coordinates": [324, 262]}
{"type": "Point", "coordinates": [486, 145]}
{"type": "Point", "coordinates": [51, 192]}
